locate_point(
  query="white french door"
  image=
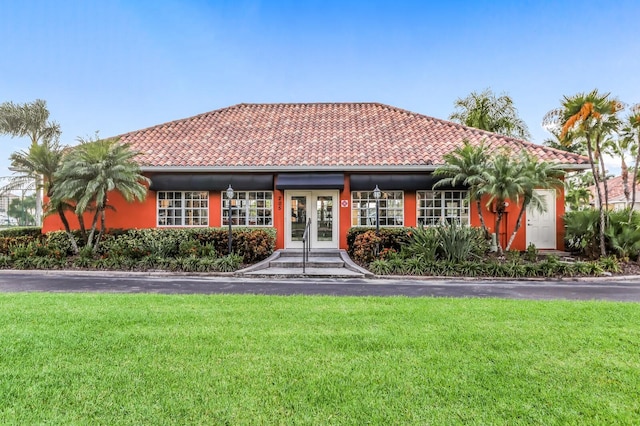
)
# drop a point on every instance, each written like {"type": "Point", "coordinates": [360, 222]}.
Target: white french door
{"type": "Point", "coordinates": [319, 206]}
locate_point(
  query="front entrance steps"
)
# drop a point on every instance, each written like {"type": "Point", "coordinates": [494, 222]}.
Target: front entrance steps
{"type": "Point", "coordinates": [320, 263]}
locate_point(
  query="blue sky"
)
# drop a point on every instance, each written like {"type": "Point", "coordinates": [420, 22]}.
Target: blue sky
{"type": "Point", "coordinates": [117, 66]}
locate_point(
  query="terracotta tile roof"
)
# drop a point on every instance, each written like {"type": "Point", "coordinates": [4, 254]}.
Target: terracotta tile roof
{"type": "Point", "coordinates": [331, 135]}
{"type": "Point", "coordinates": [615, 190]}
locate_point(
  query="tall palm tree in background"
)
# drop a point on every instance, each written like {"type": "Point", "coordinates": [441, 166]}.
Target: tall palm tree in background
{"type": "Point", "coordinates": [466, 165]}
{"type": "Point", "coordinates": [621, 147]}
{"type": "Point", "coordinates": [489, 112]}
{"type": "Point", "coordinates": [568, 142]}
{"type": "Point", "coordinates": [30, 120]}
{"type": "Point", "coordinates": [537, 175]}
{"type": "Point", "coordinates": [631, 133]}
{"type": "Point", "coordinates": [90, 171]}
{"type": "Point", "coordinates": [592, 117]}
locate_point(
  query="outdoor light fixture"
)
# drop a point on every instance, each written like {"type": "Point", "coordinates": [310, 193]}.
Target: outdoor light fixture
{"type": "Point", "coordinates": [376, 194]}
{"type": "Point", "coordinates": [229, 197]}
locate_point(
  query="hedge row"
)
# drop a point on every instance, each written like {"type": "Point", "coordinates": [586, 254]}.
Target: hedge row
{"type": "Point", "coordinates": [25, 259]}
{"type": "Point", "coordinates": [551, 267]}
{"type": "Point", "coordinates": [251, 244]}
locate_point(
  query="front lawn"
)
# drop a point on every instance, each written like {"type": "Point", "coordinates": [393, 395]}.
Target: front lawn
{"type": "Point", "coordinates": [159, 359]}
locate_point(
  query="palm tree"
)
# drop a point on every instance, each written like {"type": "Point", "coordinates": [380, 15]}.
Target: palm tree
{"type": "Point", "coordinates": [537, 175]}
{"type": "Point", "coordinates": [489, 112]}
{"type": "Point", "coordinates": [576, 197]}
{"type": "Point", "coordinates": [90, 171]}
{"type": "Point", "coordinates": [631, 133]}
{"type": "Point", "coordinates": [505, 181]}
{"type": "Point", "coordinates": [40, 164]}
{"type": "Point", "coordinates": [621, 147]}
{"type": "Point", "coordinates": [592, 116]}
{"type": "Point", "coordinates": [568, 142]}
{"type": "Point", "coordinates": [29, 120]}
{"type": "Point", "coordinates": [466, 165]}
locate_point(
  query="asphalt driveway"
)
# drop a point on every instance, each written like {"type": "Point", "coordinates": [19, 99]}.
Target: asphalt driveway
{"type": "Point", "coordinates": [625, 289]}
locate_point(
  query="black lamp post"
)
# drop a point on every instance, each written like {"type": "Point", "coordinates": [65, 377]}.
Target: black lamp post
{"type": "Point", "coordinates": [376, 194]}
{"type": "Point", "coordinates": [230, 197]}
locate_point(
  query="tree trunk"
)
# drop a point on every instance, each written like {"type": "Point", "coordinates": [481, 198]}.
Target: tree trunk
{"type": "Point", "coordinates": [481, 217]}
{"type": "Point", "coordinates": [518, 224]}
{"type": "Point", "coordinates": [500, 213]}
{"type": "Point", "coordinates": [83, 228]}
{"type": "Point", "coordinates": [604, 175]}
{"type": "Point", "coordinates": [67, 228]}
{"type": "Point", "coordinates": [94, 224]}
{"type": "Point", "coordinates": [635, 178]}
{"type": "Point", "coordinates": [101, 232]}
{"type": "Point", "coordinates": [596, 178]}
{"type": "Point", "coordinates": [625, 180]}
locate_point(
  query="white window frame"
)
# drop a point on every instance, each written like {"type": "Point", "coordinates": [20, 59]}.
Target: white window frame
{"type": "Point", "coordinates": [447, 205]}
{"type": "Point", "coordinates": [363, 205]}
{"type": "Point", "coordinates": [186, 209]}
{"type": "Point", "coordinates": [256, 212]}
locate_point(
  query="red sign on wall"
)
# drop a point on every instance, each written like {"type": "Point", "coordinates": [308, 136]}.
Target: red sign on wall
{"type": "Point", "coordinates": [344, 203]}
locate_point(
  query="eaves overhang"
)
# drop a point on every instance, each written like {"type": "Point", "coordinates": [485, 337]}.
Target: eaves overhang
{"type": "Point", "coordinates": [273, 169]}
{"type": "Point", "coordinates": [576, 166]}
{"type": "Point", "coordinates": [350, 168]}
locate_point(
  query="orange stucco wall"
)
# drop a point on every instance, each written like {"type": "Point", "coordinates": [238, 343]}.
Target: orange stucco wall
{"type": "Point", "coordinates": [143, 215]}
{"type": "Point", "coordinates": [278, 217]}
{"type": "Point", "coordinates": [345, 212]}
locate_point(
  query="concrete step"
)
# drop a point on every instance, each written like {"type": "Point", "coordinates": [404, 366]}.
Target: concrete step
{"type": "Point", "coordinates": [320, 263]}
{"type": "Point", "coordinates": [312, 262]}
{"type": "Point", "coordinates": [312, 253]}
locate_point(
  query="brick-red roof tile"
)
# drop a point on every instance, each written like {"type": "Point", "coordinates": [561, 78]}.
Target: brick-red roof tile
{"type": "Point", "coordinates": [315, 135]}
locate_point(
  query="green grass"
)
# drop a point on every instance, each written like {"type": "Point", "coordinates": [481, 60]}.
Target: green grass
{"type": "Point", "coordinates": [156, 359]}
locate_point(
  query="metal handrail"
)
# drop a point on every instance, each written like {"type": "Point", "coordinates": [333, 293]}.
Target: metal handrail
{"type": "Point", "coordinates": [306, 246]}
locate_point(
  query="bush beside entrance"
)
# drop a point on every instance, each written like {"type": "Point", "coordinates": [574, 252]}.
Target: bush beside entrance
{"type": "Point", "coordinates": [175, 249]}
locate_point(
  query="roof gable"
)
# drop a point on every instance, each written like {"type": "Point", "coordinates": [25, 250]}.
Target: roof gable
{"type": "Point", "coordinates": [307, 135]}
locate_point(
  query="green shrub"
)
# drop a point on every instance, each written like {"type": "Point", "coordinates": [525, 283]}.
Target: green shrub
{"type": "Point", "coordinates": [366, 247]}
{"type": "Point", "coordinates": [30, 249]}
{"type": "Point", "coordinates": [58, 243]}
{"type": "Point", "coordinates": [393, 239]}
{"type": "Point", "coordinates": [254, 245]}
{"type": "Point", "coordinates": [423, 244]}
{"type": "Point", "coordinates": [582, 231]}
{"type": "Point", "coordinates": [459, 243]}
{"type": "Point", "coordinates": [381, 267]}
{"type": "Point", "coordinates": [5, 261]}
{"type": "Point", "coordinates": [228, 263]}
{"type": "Point", "coordinates": [622, 235]}
{"type": "Point", "coordinates": [610, 264]}
{"type": "Point", "coordinates": [531, 254]}
{"type": "Point", "coordinates": [23, 231]}
{"type": "Point", "coordinates": [7, 243]}
{"type": "Point", "coordinates": [189, 248]}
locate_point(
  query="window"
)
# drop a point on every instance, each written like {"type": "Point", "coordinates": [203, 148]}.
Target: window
{"type": "Point", "coordinates": [250, 208]}
{"type": "Point", "coordinates": [438, 207]}
{"type": "Point", "coordinates": [391, 208]}
{"type": "Point", "coordinates": [183, 208]}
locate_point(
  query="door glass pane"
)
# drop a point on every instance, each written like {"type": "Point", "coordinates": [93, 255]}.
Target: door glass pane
{"type": "Point", "coordinates": [324, 218]}
{"type": "Point", "coordinates": [298, 216]}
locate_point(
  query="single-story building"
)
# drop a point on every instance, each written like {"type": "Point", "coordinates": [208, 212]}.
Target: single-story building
{"type": "Point", "coordinates": [288, 163]}
{"type": "Point", "coordinates": [615, 189]}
